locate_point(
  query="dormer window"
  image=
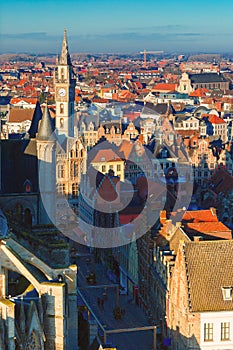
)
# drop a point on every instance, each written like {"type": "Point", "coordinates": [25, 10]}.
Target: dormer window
{"type": "Point", "coordinates": [227, 293]}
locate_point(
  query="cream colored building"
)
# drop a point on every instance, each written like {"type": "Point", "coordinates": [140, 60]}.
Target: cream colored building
{"type": "Point", "coordinates": [107, 160]}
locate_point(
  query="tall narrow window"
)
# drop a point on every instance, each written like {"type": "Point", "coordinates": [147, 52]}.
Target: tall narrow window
{"type": "Point", "coordinates": [225, 331]}
{"type": "Point", "coordinates": [208, 331]}
{"type": "Point", "coordinates": [75, 190]}
{"type": "Point", "coordinates": [62, 74]}
{"type": "Point", "coordinates": [61, 108]}
{"type": "Point", "coordinates": [61, 123]}
{"type": "Point", "coordinates": [75, 169]}
{"type": "Point", "coordinates": [60, 171]}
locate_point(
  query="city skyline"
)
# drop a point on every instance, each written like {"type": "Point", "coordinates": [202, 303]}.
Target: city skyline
{"type": "Point", "coordinates": [116, 27]}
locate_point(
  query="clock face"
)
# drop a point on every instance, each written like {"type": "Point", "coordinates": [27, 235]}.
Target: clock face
{"type": "Point", "coordinates": [62, 92]}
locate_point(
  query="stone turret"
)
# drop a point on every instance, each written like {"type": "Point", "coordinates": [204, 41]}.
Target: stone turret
{"type": "Point", "coordinates": [46, 154]}
{"type": "Point", "coordinates": [45, 132]}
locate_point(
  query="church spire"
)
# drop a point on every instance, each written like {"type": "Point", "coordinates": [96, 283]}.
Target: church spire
{"type": "Point", "coordinates": [65, 56]}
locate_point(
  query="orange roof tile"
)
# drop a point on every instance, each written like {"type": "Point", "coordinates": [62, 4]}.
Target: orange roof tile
{"type": "Point", "coordinates": [208, 215]}
{"type": "Point", "coordinates": [164, 87]}
{"type": "Point", "coordinates": [200, 92]}
{"type": "Point", "coordinates": [216, 229]}
{"type": "Point", "coordinates": [213, 119]}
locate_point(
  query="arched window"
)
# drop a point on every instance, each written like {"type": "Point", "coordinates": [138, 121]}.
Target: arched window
{"type": "Point", "coordinates": [19, 212]}
{"type": "Point", "coordinates": [61, 108]}
{"type": "Point", "coordinates": [61, 123]}
{"type": "Point", "coordinates": [28, 218]}
{"type": "Point", "coordinates": [27, 186]}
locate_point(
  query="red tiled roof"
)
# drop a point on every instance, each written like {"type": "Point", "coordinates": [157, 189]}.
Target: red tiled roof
{"type": "Point", "coordinates": [126, 148]}
{"type": "Point", "coordinates": [20, 115]}
{"type": "Point", "coordinates": [164, 87]}
{"type": "Point", "coordinates": [200, 92]}
{"type": "Point", "coordinates": [28, 100]}
{"type": "Point", "coordinates": [196, 216]}
{"type": "Point", "coordinates": [213, 119]}
{"type": "Point", "coordinates": [216, 229]}
{"type": "Point", "coordinates": [106, 155]}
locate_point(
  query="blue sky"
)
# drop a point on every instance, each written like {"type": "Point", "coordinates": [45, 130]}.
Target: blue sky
{"type": "Point", "coordinates": [116, 26]}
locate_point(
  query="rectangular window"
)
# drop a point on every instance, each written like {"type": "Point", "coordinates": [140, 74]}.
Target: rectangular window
{"type": "Point", "coordinates": [61, 189]}
{"type": "Point", "coordinates": [118, 167]}
{"type": "Point", "coordinates": [61, 172]}
{"type": "Point", "coordinates": [225, 331]}
{"type": "Point", "coordinates": [208, 331]}
{"type": "Point", "coordinates": [103, 168]}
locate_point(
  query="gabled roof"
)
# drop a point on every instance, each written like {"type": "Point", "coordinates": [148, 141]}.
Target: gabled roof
{"type": "Point", "coordinates": [209, 267]}
{"type": "Point", "coordinates": [200, 92]}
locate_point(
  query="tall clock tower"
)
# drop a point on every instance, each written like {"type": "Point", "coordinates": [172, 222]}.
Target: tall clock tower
{"type": "Point", "coordinates": [64, 82]}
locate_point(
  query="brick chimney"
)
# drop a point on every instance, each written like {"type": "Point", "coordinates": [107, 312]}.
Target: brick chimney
{"type": "Point", "coordinates": [163, 217]}
{"type": "Point", "coordinates": [213, 211]}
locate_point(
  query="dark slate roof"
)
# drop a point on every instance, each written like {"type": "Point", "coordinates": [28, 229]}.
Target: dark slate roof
{"type": "Point", "coordinates": [207, 78]}
{"type": "Point", "coordinates": [3, 225]}
{"type": "Point", "coordinates": [115, 124]}
{"type": "Point", "coordinates": [87, 119]}
{"type": "Point", "coordinates": [209, 266]}
{"type": "Point", "coordinates": [159, 108]}
{"type": "Point", "coordinates": [17, 166]}
{"type": "Point", "coordinates": [37, 115]}
{"type": "Point", "coordinates": [5, 100]}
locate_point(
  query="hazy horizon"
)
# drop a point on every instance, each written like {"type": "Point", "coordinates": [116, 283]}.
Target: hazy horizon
{"type": "Point", "coordinates": [116, 27]}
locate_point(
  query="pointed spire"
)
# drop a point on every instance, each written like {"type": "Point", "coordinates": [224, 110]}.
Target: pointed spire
{"type": "Point", "coordinates": [45, 131]}
{"type": "Point", "coordinates": [22, 317]}
{"type": "Point", "coordinates": [65, 56]}
{"type": "Point", "coordinates": [37, 115]}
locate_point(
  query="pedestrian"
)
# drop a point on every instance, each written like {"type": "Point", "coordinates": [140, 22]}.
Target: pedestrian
{"type": "Point", "coordinates": [104, 296]}
{"type": "Point", "coordinates": [102, 303]}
